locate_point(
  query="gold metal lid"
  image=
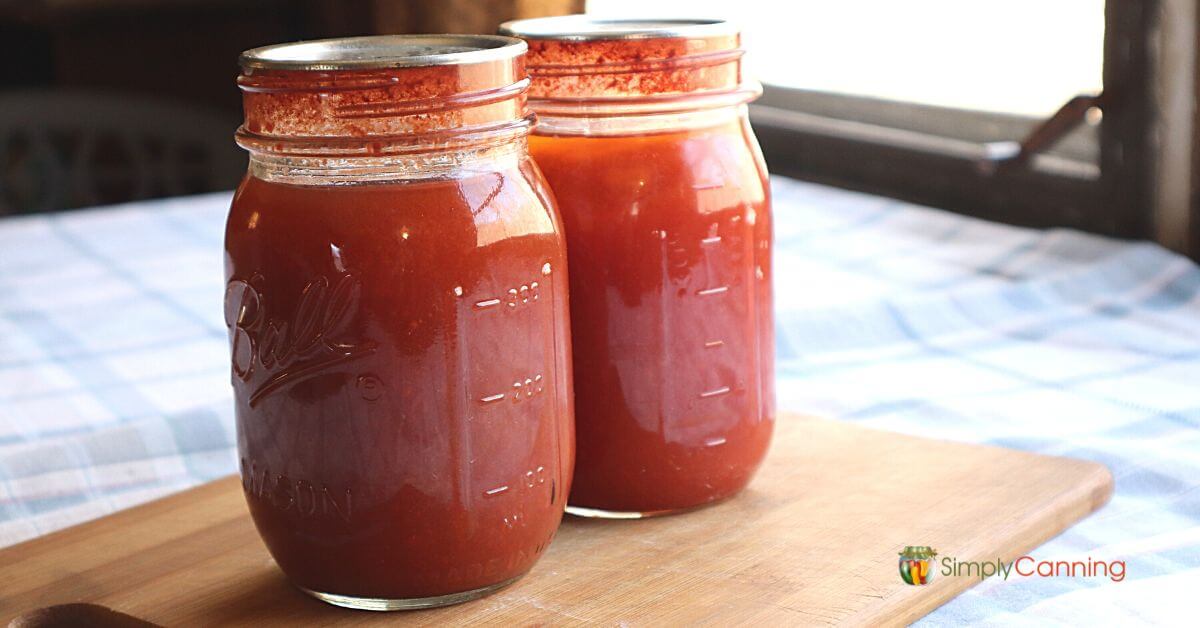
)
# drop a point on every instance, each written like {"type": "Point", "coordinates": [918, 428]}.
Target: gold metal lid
{"type": "Point", "coordinates": [384, 51]}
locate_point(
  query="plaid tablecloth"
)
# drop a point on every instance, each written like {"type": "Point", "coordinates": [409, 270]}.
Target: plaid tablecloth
{"type": "Point", "coordinates": [114, 384]}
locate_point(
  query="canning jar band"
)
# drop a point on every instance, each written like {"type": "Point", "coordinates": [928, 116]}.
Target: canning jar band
{"type": "Point", "coordinates": [378, 145]}
{"type": "Point", "coordinates": [640, 123]}
{"type": "Point", "coordinates": [613, 106]}
{"type": "Point", "coordinates": [325, 167]}
{"type": "Point", "coordinates": [433, 104]}
{"type": "Point", "coordinates": [708, 59]}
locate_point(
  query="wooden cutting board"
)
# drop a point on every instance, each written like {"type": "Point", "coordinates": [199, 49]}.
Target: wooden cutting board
{"type": "Point", "coordinates": [815, 539]}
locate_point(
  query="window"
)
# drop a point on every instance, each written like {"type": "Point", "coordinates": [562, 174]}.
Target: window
{"type": "Point", "coordinates": [928, 101]}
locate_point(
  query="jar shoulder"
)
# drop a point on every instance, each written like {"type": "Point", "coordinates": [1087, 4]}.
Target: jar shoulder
{"type": "Point", "coordinates": [515, 197]}
{"type": "Point", "coordinates": [710, 169]}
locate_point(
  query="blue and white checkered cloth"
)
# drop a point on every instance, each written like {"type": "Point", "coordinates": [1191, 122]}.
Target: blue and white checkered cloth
{"type": "Point", "coordinates": [114, 377]}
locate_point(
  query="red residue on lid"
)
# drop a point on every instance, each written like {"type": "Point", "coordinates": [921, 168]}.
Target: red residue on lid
{"type": "Point", "coordinates": [382, 102]}
{"type": "Point", "coordinates": [631, 68]}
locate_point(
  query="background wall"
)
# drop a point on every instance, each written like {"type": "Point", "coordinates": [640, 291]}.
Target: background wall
{"type": "Point", "coordinates": [104, 101]}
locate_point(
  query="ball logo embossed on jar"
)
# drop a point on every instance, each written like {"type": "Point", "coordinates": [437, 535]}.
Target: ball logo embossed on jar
{"type": "Point", "coordinates": [302, 497]}
{"type": "Point", "coordinates": [291, 347]}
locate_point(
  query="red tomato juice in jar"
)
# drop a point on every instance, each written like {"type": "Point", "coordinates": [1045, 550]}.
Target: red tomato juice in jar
{"type": "Point", "coordinates": [396, 301]}
{"type": "Point", "coordinates": [644, 138]}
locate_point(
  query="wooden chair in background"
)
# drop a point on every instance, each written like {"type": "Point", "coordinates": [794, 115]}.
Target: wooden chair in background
{"type": "Point", "coordinates": [61, 149]}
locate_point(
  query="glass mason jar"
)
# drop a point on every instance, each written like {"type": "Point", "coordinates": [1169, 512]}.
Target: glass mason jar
{"type": "Point", "coordinates": [644, 137]}
{"type": "Point", "coordinates": [397, 313]}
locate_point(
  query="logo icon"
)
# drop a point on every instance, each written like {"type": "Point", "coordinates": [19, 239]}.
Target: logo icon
{"type": "Point", "coordinates": [915, 564]}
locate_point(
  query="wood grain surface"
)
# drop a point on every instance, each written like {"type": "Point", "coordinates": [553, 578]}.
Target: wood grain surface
{"type": "Point", "coordinates": [814, 539]}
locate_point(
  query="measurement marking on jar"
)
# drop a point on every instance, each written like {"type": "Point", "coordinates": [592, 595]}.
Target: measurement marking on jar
{"type": "Point", "coordinates": [710, 246]}
{"type": "Point", "coordinates": [724, 390]}
{"type": "Point", "coordinates": [527, 388]}
{"type": "Point", "coordinates": [521, 389]}
{"type": "Point", "coordinates": [714, 442]}
{"type": "Point", "coordinates": [713, 344]}
{"type": "Point", "coordinates": [522, 295]}
{"type": "Point", "coordinates": [492, 492]}
{"type": "Point", "coordinates": [535, 477]}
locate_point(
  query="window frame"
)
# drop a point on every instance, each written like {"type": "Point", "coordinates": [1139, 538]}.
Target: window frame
{"type": "Point", "coordinates": [1096, 179]}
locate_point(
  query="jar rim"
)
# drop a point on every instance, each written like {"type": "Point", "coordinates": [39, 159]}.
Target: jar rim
{"type": "Point", "coordinates": [382, 52]}
{"type": "Point", "coordinates": [582, 27]}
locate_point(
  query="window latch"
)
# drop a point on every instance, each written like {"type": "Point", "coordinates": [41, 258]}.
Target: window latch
{"type": "Point", "coordinates": [1006, 155]}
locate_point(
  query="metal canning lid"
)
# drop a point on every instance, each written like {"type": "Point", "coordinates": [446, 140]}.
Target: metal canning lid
{"type": "Point", "coordinates": [587, 28]}
{"type": "Point", "coordinates": [384, 51]}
